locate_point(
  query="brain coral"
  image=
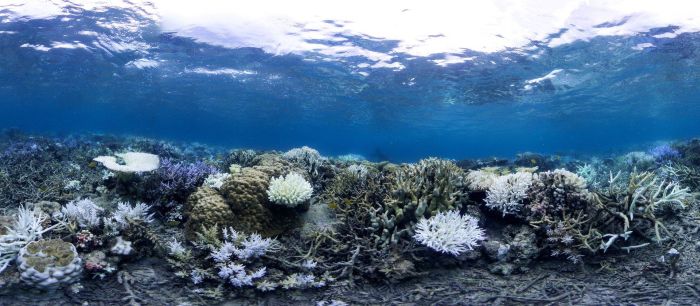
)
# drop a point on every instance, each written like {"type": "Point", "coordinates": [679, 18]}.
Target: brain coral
{"type": "Point", "coordinates": [49, 264]}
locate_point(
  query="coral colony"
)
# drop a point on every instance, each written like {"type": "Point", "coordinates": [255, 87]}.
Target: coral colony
{"type": "Point", "coordinates": [262, 222]}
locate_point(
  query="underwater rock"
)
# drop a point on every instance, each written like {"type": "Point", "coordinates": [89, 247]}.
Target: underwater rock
{"type": "Point", "coordinates": [49, 264]}
{"type": "Point", "coordinates": [514, 249]}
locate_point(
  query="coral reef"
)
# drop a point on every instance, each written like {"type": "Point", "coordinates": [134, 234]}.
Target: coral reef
{"type": "Point", "coordinates": [299, 221]}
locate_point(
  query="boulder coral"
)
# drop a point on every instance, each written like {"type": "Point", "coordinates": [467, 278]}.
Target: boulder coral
{"type": "Point", "coordinates": [242, 201]}
{"type": "Point", "coordinates": [49, 264]}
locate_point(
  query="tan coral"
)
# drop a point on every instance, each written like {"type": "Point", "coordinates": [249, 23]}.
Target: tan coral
{"type": "Point", "coordinates": [206, 208]}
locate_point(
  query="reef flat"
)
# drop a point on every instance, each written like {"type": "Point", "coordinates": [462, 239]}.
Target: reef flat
{"type": "Point", "coordinates": [108, 220]}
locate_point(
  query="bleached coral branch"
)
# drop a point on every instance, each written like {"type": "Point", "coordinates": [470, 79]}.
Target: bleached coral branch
{"type": "Point", "coordinates": [448, 232]}
{"type": "Point", "coordinates": [290, 190]}
{"type": "Point", "coordinates": [27, 227]}
{"type": "Point", "coordinates": [126, 214]}
{"type": "Point", "coordinates": [507, 192]}
{"type": "Point", "coordinates": [85, 213]}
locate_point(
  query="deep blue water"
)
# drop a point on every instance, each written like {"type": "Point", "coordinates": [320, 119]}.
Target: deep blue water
{"type": "Point", "coordinates": [122, 69]}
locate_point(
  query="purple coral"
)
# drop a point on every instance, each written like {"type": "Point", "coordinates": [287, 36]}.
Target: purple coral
{"type": "Point", "coordinates": [181, 177]}
{"type": "Point", "coordinates": [664, 152]}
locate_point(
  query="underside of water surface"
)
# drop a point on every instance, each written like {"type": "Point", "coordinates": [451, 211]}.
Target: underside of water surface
{"type": "Point", "coordinates": [313, 153]}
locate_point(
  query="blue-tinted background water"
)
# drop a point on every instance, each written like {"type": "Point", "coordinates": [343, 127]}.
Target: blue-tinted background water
{"type": "Point", "coordinates": [401, 81]}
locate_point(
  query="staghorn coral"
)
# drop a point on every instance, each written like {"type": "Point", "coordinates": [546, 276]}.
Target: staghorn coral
{"type": "Point", "coordinates": [126, 214]}
{"type": "Point", "coordinates": [244, 158]}
{"type": "Point", "coordinates": [421, 190]}
{"type": "Point", "coordinates": [176, 180]}
{"type": "Point", "coordinates": [309, 159]}
{"type": "Point", "coordinates": [481, 179]}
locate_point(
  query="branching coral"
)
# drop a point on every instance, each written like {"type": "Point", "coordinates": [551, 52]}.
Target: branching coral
{"type": "Point", "coordinates": [290, 190]}
{"type": "Point", "coordinates": [556, 191]}
{"type": "Point", "coordinates": [126, 214]}
{"type": "Point", "coordinates": [28, 226]}
{"type": "Point", "coordinates": [508, 193]}
{"type": "Point", "coordinates": [421, 191]}
{"type": "Point", "coordinates": [84, 213]}
{"type": "Point", "coordinates": [645, 195]}
{"type": "Point", "coordinates": [448, 232]}
{"type": "Point", "coordinates": [307, 157]}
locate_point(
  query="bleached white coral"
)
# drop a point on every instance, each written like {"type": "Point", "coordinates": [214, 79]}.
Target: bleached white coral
{"type": "Point", "coordinates": [72, 185]}
{"type": "Point", "coordinates": [244, 247]}
{"type": "Point", "coordinates": [303, 154]}
{"type": "Point", "coordinates": [589, 173]}
{"type": "Point", "coordinates": [122, 247]}
{"type": "Point", "coordinates": [126, 214]}
{"type": "Point", "coordinates": [290, 190]}
{"type": "Point", "coordinates": [27, 227]}
{"type": "Point", "coordinates": [84, 212]}
{"type": "Point", "coordinates": [237, 251]}
{"type": "Point", "coordinates": [507, 192]}
{"type": "Point", "coordinates": [265, 286]}
{"type": "Point", "coordinates": [216, 180]}
{"type": "Point", "coordinates": [301, 281]}
{"type": "Point", "coordinates": [253, 246]}
{"type": "Point", "coordinates": [480, 179]}
{"type": "Point", "coordinates": [133, 162]}
{"type": "Point", "coordinates": [175, 248]}
{"type": "Point", "coordinates": [359, 171]}
{"type": "Point", "coordinates": [237, 275]}
{"type": "Point", "coordinates": [448, 232]}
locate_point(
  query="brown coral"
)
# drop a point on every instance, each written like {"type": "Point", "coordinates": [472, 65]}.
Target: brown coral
{"type": "Point", "coordinates": [206, 208]}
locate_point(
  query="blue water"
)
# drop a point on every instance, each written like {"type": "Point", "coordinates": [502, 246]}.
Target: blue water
{"type": "Point", "coordinates": [121, 69]}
